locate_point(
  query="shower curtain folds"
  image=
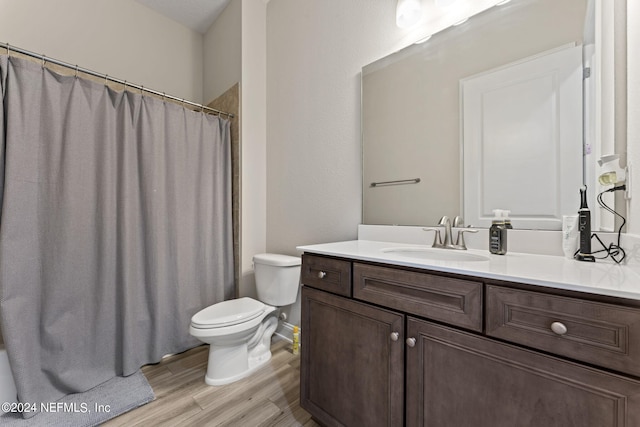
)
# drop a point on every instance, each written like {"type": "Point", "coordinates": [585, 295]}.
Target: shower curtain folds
{"type": "Point", "coordinates": [115, 228]}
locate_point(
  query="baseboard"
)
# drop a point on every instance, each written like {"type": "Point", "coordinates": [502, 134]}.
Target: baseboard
{"type": "Point", "coordinates": [285, 332]}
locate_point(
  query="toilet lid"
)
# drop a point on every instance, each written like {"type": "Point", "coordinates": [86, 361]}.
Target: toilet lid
{"type": "Point", "coordinates": [227, 313]}
{"type": "Point", "coordinates": [277, 259]}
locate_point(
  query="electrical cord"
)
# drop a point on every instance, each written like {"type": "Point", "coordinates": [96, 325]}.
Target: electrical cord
{"type": "Point", "coordinates": [614, 250]}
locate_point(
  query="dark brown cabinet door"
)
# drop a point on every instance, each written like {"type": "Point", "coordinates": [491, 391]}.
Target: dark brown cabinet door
{"type": "Point", "coordinates": [352, 366]}
{"type": "Point", "coordinates": [458, 379]}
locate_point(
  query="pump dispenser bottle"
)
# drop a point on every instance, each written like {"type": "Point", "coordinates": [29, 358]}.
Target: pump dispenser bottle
{"type": "Point", "coordinates": [498, 234]}
{"type": "Point", "coordinates": [507, 220]}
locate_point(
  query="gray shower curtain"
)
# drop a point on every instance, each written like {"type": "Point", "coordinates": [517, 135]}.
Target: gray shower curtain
{"type": "Point", "coordinates": [115, 228]}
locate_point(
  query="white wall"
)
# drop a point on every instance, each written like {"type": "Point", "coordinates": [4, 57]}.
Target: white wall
{"type": "Point", "coordinates": [235, 51]}
{"type": "Point", "coordinates": [223, 52]}
{"type": "Point", "coordinates": [315, 51]}
{"type": "Point", "coordinates": [633, 109]}
{"type": "Point", "coordinates": [121, 38]}
{"type": "Point", "coordinates": [253, 124]}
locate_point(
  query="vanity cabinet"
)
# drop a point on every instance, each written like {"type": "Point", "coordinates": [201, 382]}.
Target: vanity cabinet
{"type": "Point", "coordinates": [456, 378]}
{"type": "Point", "coordinates": [402, 346]}
{"type": "Point", "coordinates": [352, 365]}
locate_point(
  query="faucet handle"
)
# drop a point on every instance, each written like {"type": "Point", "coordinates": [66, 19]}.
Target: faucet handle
{"type": "Point", "coordinates": [460, 239]}
{"type": "Point", "coordinates": [458, 221]}
{"type": "Point", "coordinates": [437, 241]}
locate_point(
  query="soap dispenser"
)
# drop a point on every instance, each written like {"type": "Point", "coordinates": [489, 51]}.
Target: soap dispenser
{"type": "Point", "coordinates": [507, 220]}
{"type": "Point", "coordinates": [498, 234]}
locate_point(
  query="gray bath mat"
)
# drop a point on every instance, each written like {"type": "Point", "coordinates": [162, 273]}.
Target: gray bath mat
{"type": "Point", "coordinates": [95, 406]}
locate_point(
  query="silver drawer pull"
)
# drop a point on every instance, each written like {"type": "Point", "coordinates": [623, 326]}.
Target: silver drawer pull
{"type": "Point", "coordinates": [558, 328]}
{"type": "Point", "coordinates": [394, 336]}
{"type": "Point", "coordinates": [411, 342]}
{"type": "Point", "coordinates": [321, 274]}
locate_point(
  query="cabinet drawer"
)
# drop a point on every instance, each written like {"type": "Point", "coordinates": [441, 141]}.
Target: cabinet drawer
{"type": "Point", "coordinates": [455, 301]}
{"type": "Point", "coordinates": [606, 335]}
{"type": "Point", "coordinates": [328, 274]}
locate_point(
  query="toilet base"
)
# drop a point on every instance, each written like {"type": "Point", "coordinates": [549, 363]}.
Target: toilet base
{"type": "Point", "coordinates": [229, 363]}
{"type": "Point", "coordinates": [251, 368]}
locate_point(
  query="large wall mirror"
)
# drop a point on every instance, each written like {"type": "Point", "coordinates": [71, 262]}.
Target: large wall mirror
{"type": "Point", "coordinates": [499, 113]}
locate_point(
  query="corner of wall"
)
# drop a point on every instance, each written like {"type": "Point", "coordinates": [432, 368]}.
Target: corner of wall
{"type": "Point", "coordinates": [253, 134]}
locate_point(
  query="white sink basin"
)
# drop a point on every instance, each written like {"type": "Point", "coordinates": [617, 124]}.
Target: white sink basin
{"type": "Point", "coordinates": [435, 254]}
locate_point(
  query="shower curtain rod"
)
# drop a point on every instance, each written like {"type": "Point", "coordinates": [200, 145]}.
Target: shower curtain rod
{"type": "Point", "coordinates": [77, 69]}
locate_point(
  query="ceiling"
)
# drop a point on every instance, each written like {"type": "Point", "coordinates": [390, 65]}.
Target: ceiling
{"type": "Point", "coordinates": [195, 14]}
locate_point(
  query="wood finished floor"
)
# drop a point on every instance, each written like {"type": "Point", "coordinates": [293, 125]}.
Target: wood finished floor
{"type": "Point", "coordinates": [270, 397]}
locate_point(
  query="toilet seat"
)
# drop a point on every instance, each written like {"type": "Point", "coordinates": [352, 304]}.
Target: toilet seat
{"type": "Point", "coordinates": [228, 313]}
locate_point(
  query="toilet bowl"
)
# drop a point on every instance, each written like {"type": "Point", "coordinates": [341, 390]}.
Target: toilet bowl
{"type": "Point", "coordinates": [239, 331]}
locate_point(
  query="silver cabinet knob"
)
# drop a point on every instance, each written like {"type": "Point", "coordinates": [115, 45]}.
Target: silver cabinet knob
{"type": "Point", "coordinates": [394, 336]}
{"type": "Point", "coordinates": [321, 274]}
{"type": "Point", "coordinates": [559, 328]}
{"type": "Point", "coordinates": [411, 342]}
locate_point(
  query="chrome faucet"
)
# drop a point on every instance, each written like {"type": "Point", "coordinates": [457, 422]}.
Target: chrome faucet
{"type": "Point", "coordinates": [447, 241]}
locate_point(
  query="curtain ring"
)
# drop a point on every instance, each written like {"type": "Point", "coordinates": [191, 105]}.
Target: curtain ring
{"type": "Point", "coordinates": [8, 51]}
{"type": "Point", "coordinates": [141, 90]}
{"type": "Point", "coordinates": [124, 89]}
{"type": "Point", "coordinates": [44, 61]}
{"type": "Point", "coordinates": [76, 71]}
{"type": "Point", "coordinates": [163, 96]}
{"type": "Point", "coordinates": [106, 77]}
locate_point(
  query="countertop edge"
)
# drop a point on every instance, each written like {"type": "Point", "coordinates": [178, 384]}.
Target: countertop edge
{"type": "Point", "coordinates": [332, 249]}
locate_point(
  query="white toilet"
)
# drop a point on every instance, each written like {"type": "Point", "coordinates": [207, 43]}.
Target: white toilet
{"type": "Point", "coordinates": [239, 331]}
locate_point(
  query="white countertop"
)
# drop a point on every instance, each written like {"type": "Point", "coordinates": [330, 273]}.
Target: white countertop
{"type": "Point", "coordinates": [600, 278]}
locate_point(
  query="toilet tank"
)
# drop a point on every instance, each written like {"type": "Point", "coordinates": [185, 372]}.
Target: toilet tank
{"type": "Point", "coordinates": [277, 278]}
